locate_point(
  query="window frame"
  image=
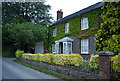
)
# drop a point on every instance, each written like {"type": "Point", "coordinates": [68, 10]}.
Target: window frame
{"type": "Point", "coordinates": [65, 47]}
{"type": "Point", "coordinates": [53, 48]}
{"type": "Point", "coordinates": [67, 27]}
{"type": "Point", "coordinates": [83, 46]}
{"type": "Point", "coordinates": [84, 23]}
{"type": "Point", "coordinates": [54, 32]}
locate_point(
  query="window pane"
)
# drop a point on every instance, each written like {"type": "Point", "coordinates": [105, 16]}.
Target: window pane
{"type": "Point", "coordinates": [84, 46]}
{"type": "Point", "coordinates": [66, 27]}
{"type": "Point", "coordinates": [54, 32]}
{"type": "Point", "coordinates": [64, 48]}
{"type": "Point", "coordinates": [69, 48]}
{"type": "Point", "coordinates": [84, 23]}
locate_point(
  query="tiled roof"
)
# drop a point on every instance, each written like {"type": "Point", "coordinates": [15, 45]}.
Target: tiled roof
{"type": "Point", "coordinates": [92, 7]}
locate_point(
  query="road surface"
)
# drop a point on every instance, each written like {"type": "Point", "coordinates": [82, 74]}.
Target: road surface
{"type": "Point", "coordinates": [12, 70]}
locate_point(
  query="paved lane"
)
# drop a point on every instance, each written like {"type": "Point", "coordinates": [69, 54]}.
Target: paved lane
{"type": "Point", "coordinates": [12, 70]}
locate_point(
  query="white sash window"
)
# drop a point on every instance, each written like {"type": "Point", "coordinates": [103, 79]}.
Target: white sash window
{"type": "Point", "coordinates": [55, 32]}
{"type": "Point", "coordinates": [66, 27]}
{"type": "Point", "coordinates": [53, 48]}
{"type": "Point", "coordinates": [57, 48]}
{"type": "Point", "coordinates": [84, 23]}
{"type": "Point", "coordinates": [84, 46]}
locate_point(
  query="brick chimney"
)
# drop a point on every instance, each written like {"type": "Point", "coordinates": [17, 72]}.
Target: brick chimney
{"type": "Point", "coordinates": [59, 14]}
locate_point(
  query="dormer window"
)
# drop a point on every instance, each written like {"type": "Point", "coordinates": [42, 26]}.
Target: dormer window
{"type": "Point", "coordinates": [66, 27]}
{"type": "Point", "coordinates": [84, 23]}
{"type": "Point", "coordinates": [55, 32]}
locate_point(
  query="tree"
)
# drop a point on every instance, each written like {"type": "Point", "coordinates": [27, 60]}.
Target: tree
{"type": "Point", "coordinates": [36, 12]}
{"type": "Point", "coordinates": [24, 23]}
{"type": "Point", "coordinates": [23, 36]}
{"type": "Point", "coordinates": [108, 36]}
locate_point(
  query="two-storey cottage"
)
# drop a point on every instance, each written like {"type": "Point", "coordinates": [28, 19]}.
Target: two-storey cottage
{"type": "Point", "coordinates": [75, 33]}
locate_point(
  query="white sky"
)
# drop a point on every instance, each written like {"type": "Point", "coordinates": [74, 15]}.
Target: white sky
{"type": "Point", "coordinates": [68, 6]}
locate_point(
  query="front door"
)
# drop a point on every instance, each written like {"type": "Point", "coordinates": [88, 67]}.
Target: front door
{"type": "Point", "coordinates": [61, 47]}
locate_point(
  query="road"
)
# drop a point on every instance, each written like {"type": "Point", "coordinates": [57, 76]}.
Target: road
{"type": "Point", "coordinates": [12, 70]}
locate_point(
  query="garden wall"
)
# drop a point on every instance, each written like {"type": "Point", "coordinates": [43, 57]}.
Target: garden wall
{"type": "Point", "coordinates": [70, 71]}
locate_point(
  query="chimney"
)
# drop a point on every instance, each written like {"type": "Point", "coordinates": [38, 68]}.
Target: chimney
{"type": "Point", "coordinates": [59, 14]}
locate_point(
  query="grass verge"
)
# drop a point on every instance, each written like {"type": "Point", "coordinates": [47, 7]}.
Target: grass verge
{"type": "Point", "coordinates": [64, 78]}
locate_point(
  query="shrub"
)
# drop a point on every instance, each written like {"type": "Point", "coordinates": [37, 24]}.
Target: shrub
{"type": "Point", "coordinates": [46, 58]}
{"type": "Point", "coordinates": [93, 63]}
{"type": "Point", "coordinates": [61, 59]}
{"type": "Point", "coordinates": [116, 62]}
{"type": "Point", "coordinates": [19, 53]}
{"type": "Point", "coordinates": [75, 59]}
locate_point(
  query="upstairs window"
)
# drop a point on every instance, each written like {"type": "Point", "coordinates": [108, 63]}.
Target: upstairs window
{"type": "Point", "coordinates": [84, 23]}
{"type": "Point", "coordinates": [66, 27]}
{"type": "Point", "coordinates": [55, 32]}
{"type": "Point", "coordinates": [84, 46]}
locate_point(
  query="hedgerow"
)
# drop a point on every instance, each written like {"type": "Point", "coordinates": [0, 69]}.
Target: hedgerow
{"type": "Point", "coordinates": [61, 59]}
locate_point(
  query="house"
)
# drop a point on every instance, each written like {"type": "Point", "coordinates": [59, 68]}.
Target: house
{"type": "Point", "coordinates": [75, 33]}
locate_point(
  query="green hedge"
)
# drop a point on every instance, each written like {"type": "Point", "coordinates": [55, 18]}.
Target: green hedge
{"type": "Point", "coordinates": [61, 59]}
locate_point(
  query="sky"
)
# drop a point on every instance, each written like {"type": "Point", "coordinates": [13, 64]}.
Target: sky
{"type": "Point", "coordinates": [68, 6]}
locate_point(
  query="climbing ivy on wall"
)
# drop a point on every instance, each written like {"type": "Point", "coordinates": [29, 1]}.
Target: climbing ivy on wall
{"type": "Point", "coordinates": [108, 37]}
{"type": "Point", "coordinates": [75, 26]}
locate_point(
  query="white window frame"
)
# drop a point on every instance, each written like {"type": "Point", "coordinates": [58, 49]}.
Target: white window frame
{"type": "Point", "coordinates": [54, 32]}
{"type": "Point", "coordinates": [84, 44]}
{"type": "Point", "coordinates": [84, 23]}
{"type": "Point", "coordinates": [66, 27]}
{"type": "Point", "coordinates": [57, 48]}
{"type": "Point", "coordinates": [53, 48]}
{"type": "Point", "coordinates": [65, 48]}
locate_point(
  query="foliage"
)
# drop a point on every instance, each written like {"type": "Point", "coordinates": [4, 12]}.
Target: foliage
{"type": "Point", "coordinates": [24, 23]}
{"type": "Point", "coordinates": [116, 62]}
{"type": "Point", "coordinates": [37, 12]}
{"type": "Point", "coordinates": [19, 53]}
{"type": "Point", "coordinates": [61, 59]}
{"type": "Point", "coordinates": [23, 36]}
{"type": "Point", "coordinates": [108, 36]}
{"type": "Point", "coordinates": [72, 59]}
{"type": "Point", "coordinates": [8, 51]}
{"type": "Point", "coordinates": [94, 63]}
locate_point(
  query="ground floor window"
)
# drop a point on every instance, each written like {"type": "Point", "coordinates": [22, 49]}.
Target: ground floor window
{"type": "Point", "coordinates": [57, 48]}
{"type": "Point", "coordinates": [84, 46]}
{"type": "Point", "coordinates": [67, 47]}
{"type": "Point", "coordinates": [53, 48]}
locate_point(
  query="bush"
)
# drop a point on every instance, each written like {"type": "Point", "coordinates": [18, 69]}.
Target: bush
{"type": "Point", "coordinates": [94, 61]}
{"type": "Point", "coordinates": [19, 53]}
{"type": "Point", "coordinates": [46, 58]}
{"type": "Point", "coordinates": [116, 63]}
{"type": "Point", "coordinates": [61, 59]}
{"type": "Point", "coordinates": [72, 59]}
